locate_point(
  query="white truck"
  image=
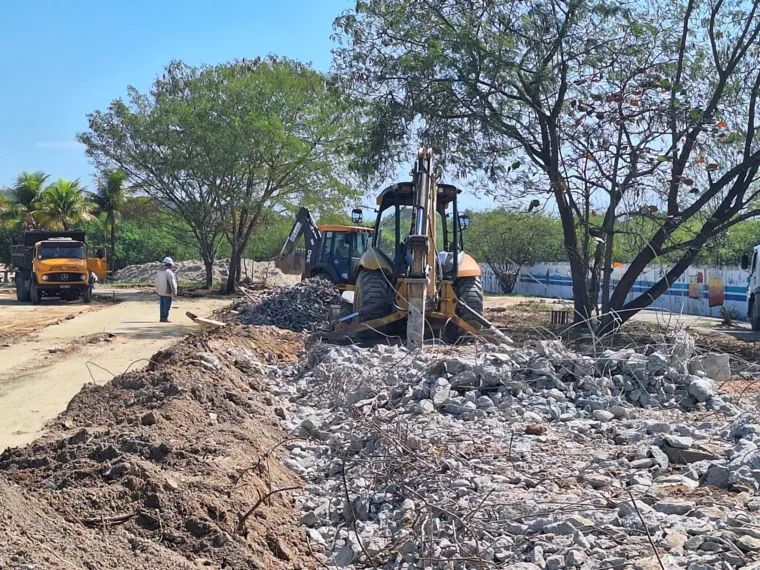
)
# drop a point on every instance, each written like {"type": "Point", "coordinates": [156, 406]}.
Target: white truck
{"type": "Point", "coordinates": [753, 286]}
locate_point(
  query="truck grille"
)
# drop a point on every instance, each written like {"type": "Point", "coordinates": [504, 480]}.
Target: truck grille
{"type": "Point", "coordinates": [65, 278]}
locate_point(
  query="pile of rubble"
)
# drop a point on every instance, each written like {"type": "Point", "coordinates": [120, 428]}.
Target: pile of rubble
{"type": "Point", "coordinates": [194, 271]}
{"type": "Point", "coordinates": [528, 459]}
{"type": "Point", "coordinates": [300, 307]}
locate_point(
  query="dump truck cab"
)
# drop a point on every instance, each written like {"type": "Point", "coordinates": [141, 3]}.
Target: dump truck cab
{"type": "Point", "coordinates": [57, 264]}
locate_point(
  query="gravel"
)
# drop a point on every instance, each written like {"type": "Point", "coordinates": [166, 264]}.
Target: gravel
{"type": "Point", "coordinates": [301, 307]}
{"type": "Point", "coordinates": [520, 458]}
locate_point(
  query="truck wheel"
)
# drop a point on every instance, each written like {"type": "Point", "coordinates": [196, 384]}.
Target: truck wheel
{"type": "Point", "coordinates": [19, 289]}
{"type": "Point", "coordinates": [87, 296]}
{"type": "Point", "coordinates": [34, 293]}
{"type": "Point", "coordinates": [754, 318]}
{"type": "Point", "coordinates": [468, 290]}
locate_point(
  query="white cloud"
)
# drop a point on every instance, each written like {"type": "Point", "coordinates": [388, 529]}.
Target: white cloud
{"type": "Point", "coordinates": [59, 144]}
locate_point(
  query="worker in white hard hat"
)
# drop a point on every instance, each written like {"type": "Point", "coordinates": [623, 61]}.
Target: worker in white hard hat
{"type": "Point", "coordinates": [166, 287]}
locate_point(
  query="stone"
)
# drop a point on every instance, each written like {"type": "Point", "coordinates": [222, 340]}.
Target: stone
{"type": "Point", "coordinates": [718, 476]}
{"type": "Point", "coordinates": [426, 406]}
{"type": "Point", "coordinates": [563, 528]}
{"type": "Point", "coordinates": [679, 442]}
{"type": "Point", "coordinates": [748, 544]}
{"type": "Point", "coordinates": [524, 566]}
{"type": "Point", "coordinates": [674, 507]}
{"type": "Point", "coordinates": [310, 519]}
{"type": "Point", "coordinates": [597, 481]}
{"type": "Point", "coordinates": [555, 562]}
{"type": "Point", "coordinates": [715, 365]}
{"type": "Point", "coordinates": [575, 558]}
{"type": "Point", "coordinates": [620, 412]}
{"type": "Point", "coordinates": [658, 427]}
{"type": "Point", "coordinates": [532, 417]}
{"type": "Point", "coordinates": [347, 555]}
{"type": "Point", "coordinates": [603, 415]}
{"type": "Point", "coordinates": [676, 539]}
{"type": "Point", "coordinates": [312, 424]}
{"type": "Point", "coordinates": [659, 457]}
{"type": "Point", "coordinates": [148, 419]}
{"type": "Point", "coordinates": [641, 463]}
{"type": "Point", "coordinates": [702, 389]}
{"type": "Point", "coordinates": [627, 508]}
{"type": "Point", "coordinates": [439, 391]}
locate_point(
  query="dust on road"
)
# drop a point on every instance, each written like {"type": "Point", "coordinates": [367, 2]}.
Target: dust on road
{"type": "Point", "coordinates": [40, 374]}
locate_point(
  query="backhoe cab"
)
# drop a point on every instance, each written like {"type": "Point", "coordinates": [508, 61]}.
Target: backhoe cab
{"type": "Point", "coordinates": [416, 272]}
{"type": "Point", "coordinates": [331, 252]}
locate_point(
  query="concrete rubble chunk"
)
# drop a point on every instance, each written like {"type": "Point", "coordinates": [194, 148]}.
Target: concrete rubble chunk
{"type": "Point", "coordinates": [714, 365]}
{"type": "Point", "coordinates": [702, 389]}
{"type": "Point", "coordinates": [674, 507]}
{"type": "Point", "coordinates": [603, 415]}
{"type": "Point", "coordinates": [679, 442]}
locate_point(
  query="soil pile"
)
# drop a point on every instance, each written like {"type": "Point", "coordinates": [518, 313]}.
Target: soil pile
{"type": "Point", "coordinates": [159, 467]}
{"type": "Point", "coordinates": [194, 271]}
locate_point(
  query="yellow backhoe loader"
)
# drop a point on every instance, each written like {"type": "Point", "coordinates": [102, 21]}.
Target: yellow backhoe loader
{"type": "Point", "coordinates": [416, 272]}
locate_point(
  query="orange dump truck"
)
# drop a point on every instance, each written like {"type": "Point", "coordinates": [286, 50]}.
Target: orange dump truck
{"type": "Point", "coordinates": [56, 264]}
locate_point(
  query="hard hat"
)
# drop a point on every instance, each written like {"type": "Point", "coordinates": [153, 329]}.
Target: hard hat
{"type": "Point", "coordinates": [168, 261]}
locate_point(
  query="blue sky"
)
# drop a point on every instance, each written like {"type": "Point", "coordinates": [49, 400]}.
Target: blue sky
{"type": "Point", "coordinates": [65, 58]}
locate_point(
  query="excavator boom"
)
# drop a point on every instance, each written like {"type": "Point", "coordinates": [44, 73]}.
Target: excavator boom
{"type": "Point", "coordinates": [289, 261]}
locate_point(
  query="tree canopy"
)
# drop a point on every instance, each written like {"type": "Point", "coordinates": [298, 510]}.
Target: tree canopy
{"type": "Point", "coordinates": [221, 145]}
{"type": "Point", "coordinates": [619, 111]}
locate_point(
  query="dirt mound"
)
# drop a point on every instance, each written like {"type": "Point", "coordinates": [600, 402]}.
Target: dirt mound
{"type": "Point", "coordinates": [165, 461]}
{"type": "Point", "coordinates": [301, 307]}
{"type": "Point", "coordinates": [194, 271]}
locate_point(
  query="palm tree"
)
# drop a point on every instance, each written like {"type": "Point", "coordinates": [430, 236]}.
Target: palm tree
{"type": "Point", "coordinates": [6, 210]}
{"type": "Point", "coordinates": [110, 199]}
{"type": "Point", "coordinates": [24, 194]}
{"type": "Point", "coordinates": [62, 205]}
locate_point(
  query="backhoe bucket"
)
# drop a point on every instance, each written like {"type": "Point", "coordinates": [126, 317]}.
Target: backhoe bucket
{"type": "Point", "coordinates": [292, 264]}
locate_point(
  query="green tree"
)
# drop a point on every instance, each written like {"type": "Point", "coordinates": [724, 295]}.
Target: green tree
{"type": "Point", "coordinates": [507, 241]}
{"type": "Point", "coordinates": [24, 194]}
{"type": "Point", "coordinates": [221, 145]}
{"type": "Point", "coordinates": [597, 104]}
{"type": "Point", "coordinates": [63, 205]}
{"type": "Point", "coordinates": [6, 211]}
{"type": "Point", "coordinates": [109, 199]}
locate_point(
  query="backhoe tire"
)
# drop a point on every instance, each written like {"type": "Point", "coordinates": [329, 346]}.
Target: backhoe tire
{"type": "Point", "coordinates": [34, 293]}
{"type": "Point", "coordinates": [374, 295]}
{"type": "Point", "coordinates": [87, 296]}
{"type": "Point", "coordinates": [469, 290]}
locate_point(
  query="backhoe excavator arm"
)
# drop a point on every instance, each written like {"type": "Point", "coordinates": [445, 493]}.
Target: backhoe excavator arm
{"type": "Point", "coordinates": [303, 225]}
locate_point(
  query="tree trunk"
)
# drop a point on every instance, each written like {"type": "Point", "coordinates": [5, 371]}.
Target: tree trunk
{"type": "Point", "coordinates": [208, 264]}
{"type": "Point", "coordinates": [113, 247]}
{"type": "Point", "coordinates": [576, 259]}
{"type": "Point", "coordinates": [234, 269]}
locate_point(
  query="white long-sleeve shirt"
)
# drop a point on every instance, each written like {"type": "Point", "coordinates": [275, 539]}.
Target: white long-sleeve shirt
{"type": "Point", "coordinates": [166, 282]}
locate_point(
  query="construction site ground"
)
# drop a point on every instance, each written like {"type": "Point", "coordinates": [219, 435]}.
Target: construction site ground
{"type": "Point", "coordinates": [49, 351]}
{"type": "Point", "coordinates": [144, 446]}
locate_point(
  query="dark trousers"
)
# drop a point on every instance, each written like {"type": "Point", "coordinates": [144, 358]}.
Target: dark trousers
{"type": "Point", "coordinates": [165, 303]}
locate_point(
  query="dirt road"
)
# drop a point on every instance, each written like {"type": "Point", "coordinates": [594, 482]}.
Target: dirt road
{"type": "Point", "coordinates": [65, 345]}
